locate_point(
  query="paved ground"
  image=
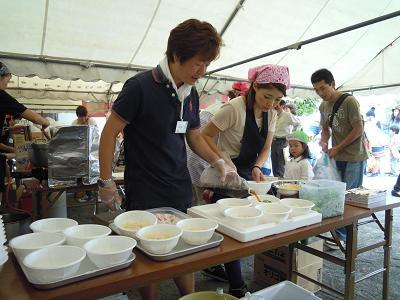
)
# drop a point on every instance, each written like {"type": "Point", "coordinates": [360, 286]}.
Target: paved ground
{"type": "Point", "coordinates": [332, 275]}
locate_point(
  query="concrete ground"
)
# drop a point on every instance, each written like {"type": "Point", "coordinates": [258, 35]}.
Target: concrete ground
{"type": "Point", "coordinates": [332, 274]}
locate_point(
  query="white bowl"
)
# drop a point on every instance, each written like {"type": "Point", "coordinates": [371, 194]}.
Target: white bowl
{"type": "Point", "coordinates": [263, 198]}
{"type": "Point", "coordinates": [298, 206]}
{"type": "Point", "coordinates": [261, 188]}
{"type": "Point", "coordinates": [159, 238]}
{"type": "Point", "coordinates": [243, 216]}
{"type": "Point", "coordinates": [24, 244]}
{"type": "Point", "coordinates": [53, 263]}
{"type": "Point", "coordinates": [109, 250]}
{"type": "Point", "coordinates": [197, 231]}
{"type": "Point", "coordinates": [274, 212]}
{"type": "Point", "coordinates": [226, 203]}
{"type": "Point", "coordinates": [80, 234]}
{"type": "Point", "coordinates": [52, 225]}
{"type": "Point", "coordinates": [128, 223]}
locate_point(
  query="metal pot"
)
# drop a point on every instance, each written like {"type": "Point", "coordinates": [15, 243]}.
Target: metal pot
{"type": "Point", "coordinates": [38, 153]}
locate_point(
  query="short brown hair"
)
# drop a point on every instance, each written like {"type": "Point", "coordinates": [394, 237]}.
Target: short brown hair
{"type": "Point", "coordinates": [191, 38]}
{"type": "Point", "coordinates": [81, 111]}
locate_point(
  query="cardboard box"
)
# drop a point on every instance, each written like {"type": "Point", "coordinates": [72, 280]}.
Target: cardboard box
{"type": "Point", "coordinates": [271, 267]}
{"type": "Point", "coordinates": [22, 138]}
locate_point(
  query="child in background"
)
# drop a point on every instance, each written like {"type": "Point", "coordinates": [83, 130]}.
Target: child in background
{"type": "Point", "coordinates": [299, 167]}
{"type": "Point", "coordinates": [394, 147]}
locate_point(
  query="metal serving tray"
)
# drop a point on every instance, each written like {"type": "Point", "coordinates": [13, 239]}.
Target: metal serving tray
{"type": "Point", "coordinates": [181, 249]}
{"type": "Point", "coordinates": [86, 270]}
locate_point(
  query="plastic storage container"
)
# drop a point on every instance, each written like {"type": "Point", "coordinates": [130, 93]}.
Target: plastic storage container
{"type": "Point", "coordinates": [284, 290]}
{"type": "Point", "coordinates": [328, 196]}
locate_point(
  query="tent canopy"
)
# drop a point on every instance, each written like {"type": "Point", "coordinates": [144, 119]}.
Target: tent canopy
{"type": "Point", "coordinates": [86, 49]}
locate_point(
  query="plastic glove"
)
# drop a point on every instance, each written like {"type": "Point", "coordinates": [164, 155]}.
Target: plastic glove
{"type": "Point", "coordinates": [225, 156]}
{"type": "Point", "coordinates": [228, 175]}
{"type": "Point", "coordinates": [109, 194]}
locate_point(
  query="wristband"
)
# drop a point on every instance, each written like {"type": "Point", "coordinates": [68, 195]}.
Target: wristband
{"type": "Point", "coordinates": [256, 167]}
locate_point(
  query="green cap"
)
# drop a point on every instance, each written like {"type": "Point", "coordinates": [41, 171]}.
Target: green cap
{"type": "Point", "coordinates": [300, 136]}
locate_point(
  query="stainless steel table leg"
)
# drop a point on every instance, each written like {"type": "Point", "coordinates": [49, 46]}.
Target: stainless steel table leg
{"type": "Point", "coordinates": [386, 252]}
{"type": "Point", "coordinates": [351, 254]}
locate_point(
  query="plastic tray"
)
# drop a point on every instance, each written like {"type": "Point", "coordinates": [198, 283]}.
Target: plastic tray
{"type": "Point", "coordinates": [284, 290]}
{"type": "Point", "coordinates": [86, 270]}
{"type": "Point", "coordinates": [213, 212]}
{"type": "Point", "coordinates": [181, 249]}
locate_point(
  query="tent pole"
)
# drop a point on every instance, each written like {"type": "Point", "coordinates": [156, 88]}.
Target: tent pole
{"type": "Point", "coordinates": [298, 45]}
{"type": "Point", "coordinates": [231, 17]}
{"type": "Point", "coordinates": [373, 87]}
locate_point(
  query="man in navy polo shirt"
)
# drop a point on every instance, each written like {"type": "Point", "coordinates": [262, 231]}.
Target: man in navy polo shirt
{"type": "Point", "coordinates": [157, 110]}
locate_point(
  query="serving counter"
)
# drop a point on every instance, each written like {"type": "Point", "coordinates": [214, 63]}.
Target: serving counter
{"type": "Point", "coordinates": [144, 271]}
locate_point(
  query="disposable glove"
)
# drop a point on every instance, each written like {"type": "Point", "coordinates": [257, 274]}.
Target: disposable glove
{"type": "Point", "coordinates": [109, 194]}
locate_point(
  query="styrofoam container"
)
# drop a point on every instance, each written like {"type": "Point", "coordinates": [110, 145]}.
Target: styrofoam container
{"type": "Point", "coordinates": [263, 198]}
{"type": "Point", "coordinates": [24, 244]}
{"type": "Point", "coordinates": [151, 237]}
{"type": "Point", "coordinates": [110, 250]}
{"type": "Point", "coordinates": [226, 203]}
{"type": "Point", "coordinates": [128, 223]}
{"type": "Point", "coordinates": [284, 290]}
{"type": "Point", "coordinates": [274, 212]}
{"type": "Point", "coordinates": [80, 234]}
{"type": "Point", "coordinates": [243, 216]}
{"type": "Point", "coordinates": [298, 206]}
{"type": "Point", "coordinates": [197, 231]}
{"type": "Point", "coordinates": [53, 263]}
{"type": "Point", "coordinates": [261, 187]}
{"type": "Point", "coordinates": [52, 225]}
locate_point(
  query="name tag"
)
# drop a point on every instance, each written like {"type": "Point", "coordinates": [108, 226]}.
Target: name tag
{"type": "Point", "coordinates": [181, 127]}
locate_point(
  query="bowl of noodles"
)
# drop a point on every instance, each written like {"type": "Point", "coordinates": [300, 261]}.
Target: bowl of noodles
{"type": "Point", "coordinates": [128, 223]}
{"type": "Point", "coordinates": [159, 238]}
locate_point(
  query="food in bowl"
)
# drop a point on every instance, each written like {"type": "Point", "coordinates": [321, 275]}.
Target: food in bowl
{"type": "Point", "coordinates": [197, 231]}
{"type": "Point", "coordinates": [53, 263]}
{"type": "Point", "coordinates": [159, 238]}
{"type": "Point", "coordinates": [274, 212]}
{"type": "Point", "coordinates": [263, 198]}
{"type": "Point", "coordinates": [290, 187]}
{"type": "Point", "coordinates": [298, 206]}
{"type": "Point", "coordinates": [128, 223]}
{"type": "Point", "coordinates": [243, 216]}
{"type": "Point", "coordinates": [109, 250]}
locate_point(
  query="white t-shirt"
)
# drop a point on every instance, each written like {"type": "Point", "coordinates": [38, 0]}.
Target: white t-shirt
{"type": "Point", "coordinates": [91, 121]}
{"type": "Point", "coordinates": [286, 122]}
{"type": "Point", "coordinates": [298, 169]}
{"type": "Point", "coordinates": [231, 119]}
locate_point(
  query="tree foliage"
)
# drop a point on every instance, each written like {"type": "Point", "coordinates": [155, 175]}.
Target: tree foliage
{"type": "Point", "coordinates": [305, 107]}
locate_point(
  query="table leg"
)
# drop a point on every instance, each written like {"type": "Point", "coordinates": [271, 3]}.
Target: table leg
{"type": "Point", "coordinates": [386, 252]}
{"type": "Point", "coordinates": [36, 198]}
{"type": "Point", "coordinates": [351, 254]}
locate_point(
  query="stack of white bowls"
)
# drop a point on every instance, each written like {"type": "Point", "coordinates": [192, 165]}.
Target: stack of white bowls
{"type": "Point", "coordinates": [3, 240]}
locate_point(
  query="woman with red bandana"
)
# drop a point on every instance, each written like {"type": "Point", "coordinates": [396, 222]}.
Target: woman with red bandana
{"type": "Point", "coordinates": [246, 127]}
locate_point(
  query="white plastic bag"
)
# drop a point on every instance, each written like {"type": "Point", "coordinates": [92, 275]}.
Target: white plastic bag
{"type": "Point", "coordinates": [325, 168]}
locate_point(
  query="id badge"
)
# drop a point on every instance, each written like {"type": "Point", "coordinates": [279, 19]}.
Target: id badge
{"type": "Point", "coordinates": [181, 127]}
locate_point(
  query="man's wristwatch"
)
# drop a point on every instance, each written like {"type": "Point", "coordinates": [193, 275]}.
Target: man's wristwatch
{"type": "Point", "coordinates": [104, 182]}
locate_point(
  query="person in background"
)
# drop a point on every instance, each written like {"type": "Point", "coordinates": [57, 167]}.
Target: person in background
{"type": "Point", "coordinates": [246, 126]}
{"type": "Point", "coordinates": [158, 110]}
{"type": "Point", "coordinates": [10, 106]}
{"type": "Point", "coordinates": [394, 147]}
{"type": "Point", "coordinates": [345, 127]}
{"type": "Point", "coordinates": [377, 141]}
{"type": "Point", "coordinates": [395, 117]}
{"type": "Point", "coordinates": [299, 167]}
{"type": "Point", "coordinates": [284, 126]}
{"type": "Point", "coordinates": [291, 108]}
{"type": "Point", "coordinates": [83, 117]}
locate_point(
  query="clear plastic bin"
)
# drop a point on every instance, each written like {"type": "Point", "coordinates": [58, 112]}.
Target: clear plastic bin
{"type": "Point", "coordinates": [327, 195]}
{"type": "Point", "coordinates": [285, 290]}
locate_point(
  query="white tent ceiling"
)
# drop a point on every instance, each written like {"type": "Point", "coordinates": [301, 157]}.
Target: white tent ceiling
{"type": "Point", "coordinates": [84, 49]}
